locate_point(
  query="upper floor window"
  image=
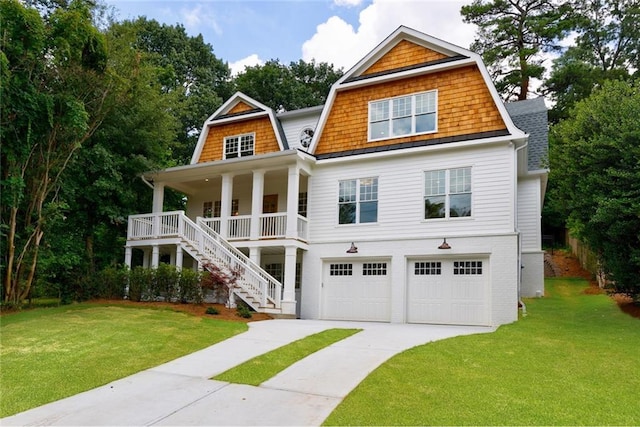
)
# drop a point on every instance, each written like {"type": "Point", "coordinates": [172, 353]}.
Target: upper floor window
{"type": "Point", "coordinates": [239, 146]}
{"type": "Point", "coordinates": [403, 115]}
{"type": "Point", "coordinates": [302, 204]}
{"type": "Point", "coordinates": [447, 193]}
{"type": "Point", "coordinates": [358, 201]}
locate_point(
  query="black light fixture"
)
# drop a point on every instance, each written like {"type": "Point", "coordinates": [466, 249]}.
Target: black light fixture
{"type": "Point", "coordinates": [444, 245]}
{"type": "Point", "coordinates": [353, 249]}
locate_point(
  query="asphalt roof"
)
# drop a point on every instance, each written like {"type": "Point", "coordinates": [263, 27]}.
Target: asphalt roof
{"type": "Point", "coordinates": [530, 116]}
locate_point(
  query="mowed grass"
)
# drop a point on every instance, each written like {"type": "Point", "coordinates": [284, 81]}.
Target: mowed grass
{"type": "Point", "coordinates": [574, 360]}
{"type": "Point", "coordinates": [48, 354]}
{"type": "Point", "coordinates": [263, 367]}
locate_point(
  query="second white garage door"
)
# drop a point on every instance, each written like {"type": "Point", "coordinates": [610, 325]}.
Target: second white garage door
{"type": "Point", "coordinates": [356, 290]}
{"type": "Point", "coordinates": [452, 292]}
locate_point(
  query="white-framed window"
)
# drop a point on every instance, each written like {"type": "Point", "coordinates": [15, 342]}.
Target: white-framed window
{"type": "Point", "coordinates": [358, 201]}
{"type": "Point", "coordinates": [447, 193]}
{"type": "Point", "coordinates": [403, 115]}
{"type": "Point", "coordinates": [207, 209]}
{"type": "Point", "coordinates": [374, 269]}
{"type": "Point", "coordinates": [239, 145]}
{"type": "Point", "coordinates": [217, 208]}
{"type": "Point", "coordinates": [428, 268]}
{"type": "Point", "coordinates": [302, 204]}
{"type": "Point", "coordinates": [467, 268]}
{"type": "Point", "coordinates": [341, 270]}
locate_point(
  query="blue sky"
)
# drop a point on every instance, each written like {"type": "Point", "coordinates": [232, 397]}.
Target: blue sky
{"type": "Point", "coordinates": [341, 32]}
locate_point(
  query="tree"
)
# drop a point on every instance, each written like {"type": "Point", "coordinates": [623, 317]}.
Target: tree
{"type": "Point", "coordinates": [55, 94]}
{"type": "Point", "coordinates": [191, 75]}
{"type": "Point", "coordinates": [284, 88]}
{"type": "Point", "coordinates": [606, 47]}
{"type": "Point", "coordinates": [512, 34]}
{"type": "Point", "coordinates": [594, 162]}
{"type": "Point", "coordinates": [101, 185]}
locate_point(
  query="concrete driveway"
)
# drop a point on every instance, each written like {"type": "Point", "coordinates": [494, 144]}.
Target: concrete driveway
{"type": "Point", "coordinates": [180, 392]}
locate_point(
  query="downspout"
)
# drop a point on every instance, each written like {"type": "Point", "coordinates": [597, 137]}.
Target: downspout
{"type": "Point", "coordinates": [515, 219]}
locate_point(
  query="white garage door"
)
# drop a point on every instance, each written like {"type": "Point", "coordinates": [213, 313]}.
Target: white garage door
{"type": "Point", "coordinates": [356, 291]}
{"type": "Point", "coordinates": [449, 292]}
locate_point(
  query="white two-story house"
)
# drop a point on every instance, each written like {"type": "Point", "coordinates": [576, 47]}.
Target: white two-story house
{"type": "Point", "coordinates": [413, 195]}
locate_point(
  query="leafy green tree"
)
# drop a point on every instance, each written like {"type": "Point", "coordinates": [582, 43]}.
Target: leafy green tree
{"type": "Point", "coordinates": [55, 93]}
{"type": "Point", "coordinates": [606, 47]}
{"type": "Point", "coordinates": [191, 76]}
{"type": "Point", "coordinates": [284, 88]}
{"type": "Point", "coordinates": [101, 184]}
{"type": "Point", "coordinates": [594, 163]}
{"type": "Point", "coordinates": [511, 36]}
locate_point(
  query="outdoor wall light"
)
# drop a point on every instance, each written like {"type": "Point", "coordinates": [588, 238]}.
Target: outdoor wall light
{"type": "Point", "coordinates": [353, 249]}
{"type": "Point", "coordinates": [444, 245]}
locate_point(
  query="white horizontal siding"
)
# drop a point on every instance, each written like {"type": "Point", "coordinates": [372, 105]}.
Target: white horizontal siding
{"type": "Point", "coordinates": [400, 195]}
{"type": "Point", "coordinates": [293, 126]}
{"type": "Point", "coordinates": [529, 213]}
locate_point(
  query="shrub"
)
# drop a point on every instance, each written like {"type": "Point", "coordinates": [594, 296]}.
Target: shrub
{"type": "Point", "coordinates": [140, 280]}
{"type": "Point", "coordinates": [212, 310]}
{"type": "Point", "coordinates": [243, 310]}
{"type": "Point", "coordinates": [189, 286]}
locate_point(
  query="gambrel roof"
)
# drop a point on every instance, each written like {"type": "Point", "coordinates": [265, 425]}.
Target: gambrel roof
{"type": "Point", "coordinates": [239, 107]}
{"type": "Point", "coordinates": [427, 56]}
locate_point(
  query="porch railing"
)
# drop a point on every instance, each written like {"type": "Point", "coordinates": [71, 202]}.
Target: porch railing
{"type": "Point", "coordinates": [272, 226]}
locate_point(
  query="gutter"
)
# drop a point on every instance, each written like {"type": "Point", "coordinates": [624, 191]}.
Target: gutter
{"type": "Point", "coordinates": [150, 185]}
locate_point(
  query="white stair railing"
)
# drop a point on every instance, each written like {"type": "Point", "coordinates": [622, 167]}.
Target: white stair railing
{"type": "Point", "coordinates": [204, 244]}
{"type": "Point", "coordinates": [274, 287]}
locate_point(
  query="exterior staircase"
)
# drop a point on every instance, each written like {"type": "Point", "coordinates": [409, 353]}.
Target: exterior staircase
{"type": "Point", "coordinates": [254, 285]}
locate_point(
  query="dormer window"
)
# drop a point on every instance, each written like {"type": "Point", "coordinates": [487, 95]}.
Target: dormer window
{"type": "Point", "coordinates": [403, 115]}
{"type": "Point", "coordinates": [239, 146]}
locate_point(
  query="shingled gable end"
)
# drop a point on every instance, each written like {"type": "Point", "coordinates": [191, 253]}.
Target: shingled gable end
{"type": "Point", "coordinates": [341, 211]}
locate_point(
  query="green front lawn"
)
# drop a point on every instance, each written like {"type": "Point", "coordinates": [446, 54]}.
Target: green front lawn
{"type": "Point", "coordinates": [48, 354]}
{"type": "Point", "coordinates": [574, 360]}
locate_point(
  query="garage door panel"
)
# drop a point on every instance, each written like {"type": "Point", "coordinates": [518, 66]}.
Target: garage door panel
{"type": "Point", "coordinates": [448, 292]}
{"type": "Point", "coordinates": [365, 294]}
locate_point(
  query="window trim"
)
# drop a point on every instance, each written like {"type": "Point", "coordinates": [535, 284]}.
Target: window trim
{"type": "Point", "coordinates": [413, 116]}
{"type": "Point", "coordinates": [239, 147]}
{"type": "Point", "coordinates": [448, 194]}
{"type": "Point", "coordinates": [358, 202]}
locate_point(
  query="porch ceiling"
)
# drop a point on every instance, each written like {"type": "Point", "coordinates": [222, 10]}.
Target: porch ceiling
{"type": "Point", "coordinates": [190, 178]}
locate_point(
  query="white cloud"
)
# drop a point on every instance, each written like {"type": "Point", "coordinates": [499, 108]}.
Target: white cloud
{"type": "Point", "coordinates": [199, 16]}
{"type": "Point", "coordinates": [337, 42]}
{"type": "Point", "coordinates": [347, 3]}
{"type": "Point", "coordinates": [238, 66]}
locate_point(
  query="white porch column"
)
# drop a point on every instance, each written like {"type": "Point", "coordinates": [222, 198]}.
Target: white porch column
{"type": "Point", "coordinates": [293, 187]}
{"type": "Point", "coordinates": [179, 257]}
{"type": "Point", "coordinates": [225, 204]}
{"type": "Point", "coordinates": [289, 294]}
{"type": "Point", "coordinates": [255, 255]}
{"type": "Point", "coordinates": [256, 203]}
{"type": "Point", "coordinates": [155, 256]}
{"type": "Point", "coordinates": [158, 197]}
{"type": "Point", "coordinates": [127, 256]}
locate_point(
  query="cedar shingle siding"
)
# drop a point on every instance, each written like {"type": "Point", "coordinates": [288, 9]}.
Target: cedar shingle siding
{"type": "Point", "coordinates": [265, 139]}
{"type": "Point", "coordinates": [240, 108]}
{"type": "Point", "coordinates": [403, 54]}
{"type": "Point", "coordinates": [465, 106]}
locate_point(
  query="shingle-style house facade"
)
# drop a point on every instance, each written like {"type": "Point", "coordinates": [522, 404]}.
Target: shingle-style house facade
{"type": "Point", "coordinates": [413, 195]}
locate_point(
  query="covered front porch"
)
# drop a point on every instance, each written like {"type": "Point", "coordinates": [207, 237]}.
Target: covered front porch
{"type": "Point", "coordinates": [249, 213]}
